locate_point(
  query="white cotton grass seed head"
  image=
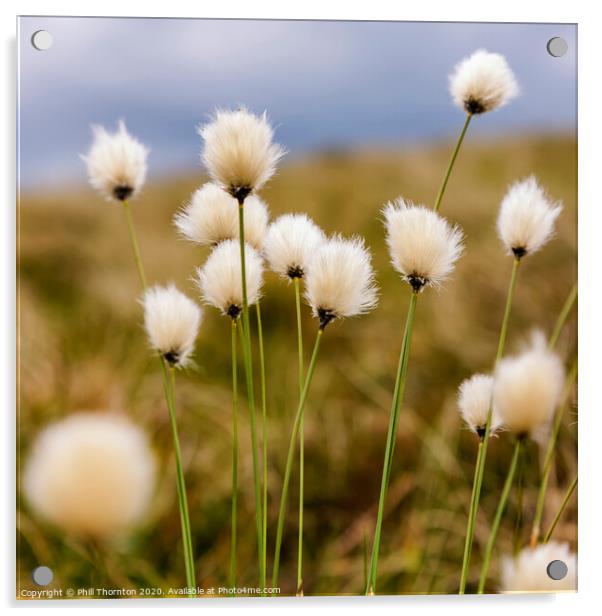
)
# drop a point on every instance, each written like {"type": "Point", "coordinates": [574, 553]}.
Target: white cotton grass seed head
{"type": "Point", "coordinates": [291, 243]}
{"type": "Point", "coordinates": [527, 217]}
{"type": "Point", "coordinates": [91, 474]}
{"type": "Point", "coordinates": [220, 279]}
{"type": "Point", "coordinates": [172, 323]}
{"type": "Point", "coordinates": [527, 388]}
{"type": "Point", "coordinates": [239, 151]}
{"type": "Point", "coordinates": [423, 246]}
{"type": "Point", "coordinates": [528, 571]}
{"type": "Point", "coordinates": [211, 216]}
{"type": "Point", "coordinates": [340, 280]}
{"type": "Point", "coordinates": [482, 82]}
{"type": "Point", "coordinates": [475, 396]}
{"type": "Point", "coordinates": [116, 163]}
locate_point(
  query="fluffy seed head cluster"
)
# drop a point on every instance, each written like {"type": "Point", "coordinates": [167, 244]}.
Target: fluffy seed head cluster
{"type": "Point", "coordinates": [526, 219]}
{"type": "Point", "coordinates": [528, 571]}
{"type": "Point", "coordinates": [220, 279]}
{"type": "Point", "coordinates": [482, 82]}
{"type": "Point", "coordinates": [340, 280]}
{"type": "Point", "coordinates": [475, 397]}
{"type": "Point", "coordinates": [423, 246]}
{"type": "Point", "coordinates": [116, 163]}
{"type": "Point", "coordinates": [91, 474]}
{"type": "Point", "coordinates": [290, 244]}
{"type": "Point", "coordinates": [172, 323]}
{"type": "Point", "coordinates": [239, 152]}
{"type": "Point", "coordinates": [211, 216]}
{"type": "Point", "coordinates": [527, 388]}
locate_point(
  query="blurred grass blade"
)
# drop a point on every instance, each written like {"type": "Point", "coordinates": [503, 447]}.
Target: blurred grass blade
{"type": "Point", "coordinates": [565, 502]}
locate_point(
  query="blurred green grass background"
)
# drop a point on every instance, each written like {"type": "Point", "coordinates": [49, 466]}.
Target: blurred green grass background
{"type": "Point", "coordinates": [82, 347]}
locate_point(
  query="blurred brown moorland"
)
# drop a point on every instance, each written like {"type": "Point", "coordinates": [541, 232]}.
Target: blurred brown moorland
{"type": "Point", "coordinates": [82, 347]}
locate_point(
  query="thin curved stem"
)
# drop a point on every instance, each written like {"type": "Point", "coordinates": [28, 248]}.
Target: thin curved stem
{"type": "Point", "coordinates": [169, 386]}
{"type": "Point", "coordinates": [248, 361]}
{"type": "Point", "coordinates": [400, 381]}
{"type": "Point", "coordinates": [297, 283]}
{"type": "Point", "coordinates": [264, 442]}
{"type": "Point", "coordinates": [507, 309]}
{"type": "Point", "coordinates": [234, 512]}
{"type": "Point", "coordinates": [452, 160]}
{"type": "Point", "coordinates": [290, 456]}
{"type": "Point", "coordinates": [134, 243]}
{"type": "Point", "coordinates": [168, 375]}
{"type": "Point", "coordinates": [565, 502]}
{"type": "Point", "coordinates": [499, 514]}
{"type": "Point", "coordinates": [563, 316]}
{"type": "Point", "coordinates": [549, 457]}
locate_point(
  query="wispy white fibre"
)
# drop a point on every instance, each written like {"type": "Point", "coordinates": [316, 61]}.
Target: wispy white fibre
{"type": "Point", "coordinates": [340, 280]}
{"type": "Point", "coordinates": [291, 243]}
{"type": "Point", "coordinates": [482, 82]}
{"type": "Point", "coordinates": [220, 279]}
{"type": "Point", "coordinates": [211, 216]}
{"type": "Point", "coordinates": [91, 474]}
{"type": "Point", "coordinates": [423, 246]}
{"type": "Point", "coordinates": [527, 387]}
{"type": "Point", "coordinates": [528, 571]}
{"type": "Point", "coordinates": [526, 219]}
{"type": "Point", "coordinates": [239, 152]}
{"type": "Point", "coordinates": [475, 396]}
{"type": "Point", "coordinates": [172, 323]}
{"type": "Point", "coordinates": [116, 163]}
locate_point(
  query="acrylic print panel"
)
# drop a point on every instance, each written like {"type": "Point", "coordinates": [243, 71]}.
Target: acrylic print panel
{"type": "Point", "coordinates": [387, 404]}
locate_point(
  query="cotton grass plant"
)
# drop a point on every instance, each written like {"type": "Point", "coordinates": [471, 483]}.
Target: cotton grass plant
{"type": "Point", "coordinates": [117, 167]}
{"type": "Point", "coordinates": [172, 321]}
{"type": "Point", "coordinates": [423, 248]}
{"type": "Point", "coordinates": [211, 216]}
{"type": "Point", "coordinates": [526, 391]}
{"type": "Point", "coordinates": [220, 284]}
{"type": "Point", "coordinates": [525, 223]}
{"type": "Point", "coordinates": [289, 248]}
{"type": "Point", "coordinates": [478, 84]}
{"type": "Point", "coordinates": [339, 284]}
{"type": "Point", "coordinates": [528, 571]}
{"type": "Point", "coordinates": [91, 474]}
{"type": "Point", "coordinates": [240, 156]}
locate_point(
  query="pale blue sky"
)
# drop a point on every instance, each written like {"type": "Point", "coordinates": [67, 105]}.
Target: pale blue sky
{"type": "Point", "coordinates": [324, 84]}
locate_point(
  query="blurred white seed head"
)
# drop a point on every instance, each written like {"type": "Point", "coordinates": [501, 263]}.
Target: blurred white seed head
{"type": "Point", "coordinates": [220, 279]}
{"type": "Point", "coordinates": [482, 82]}
{"type": "Point", "coordinates": [172, 323]}
{"type": "Point", "coordinates": [211, 216]}
{"type": "Point", "coordinates": [91, 474]}
{"type": "Point", "coordinates": [116, 163]}
{"type": "Point", "coordinates": [528, 571]}
{"type": "Point", "coordinates": [423, 246]}
{"type": "Point", "coordinates": [340, 280]}
{"type": "Point", "coordinates": [526, 219]}
{"type": "Point", "coordinates": [527, 387]}
{"type": "Point", "coordinates": [290, 244]}
{"type": "Point", "coordinates": [475, 396]}
{"type": "Point", "coordinates": [239, 152]}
